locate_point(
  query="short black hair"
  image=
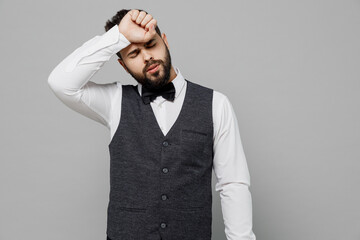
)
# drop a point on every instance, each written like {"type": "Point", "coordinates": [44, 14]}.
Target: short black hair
{"type": "Point", "coordinates": [116, 19]}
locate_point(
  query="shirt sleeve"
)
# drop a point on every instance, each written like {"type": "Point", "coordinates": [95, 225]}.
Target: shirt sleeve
{"type": "Point", "coordinates": [231, 171]}
{"type": "Point", "coordinates": [70, 79]}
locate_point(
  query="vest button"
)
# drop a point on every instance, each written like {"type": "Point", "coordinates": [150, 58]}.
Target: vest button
{"type": "Point", "coordinates": [165, 170]}
{"type": "Point", "coordinates": [165, 143]}
{"type": "Point", "coordinates": [163, 225]}
{"type": "Point", "coordinates": [163, 197]}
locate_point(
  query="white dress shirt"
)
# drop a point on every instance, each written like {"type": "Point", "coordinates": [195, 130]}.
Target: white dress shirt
{"type": "Point", "coordinates": [70, 81]}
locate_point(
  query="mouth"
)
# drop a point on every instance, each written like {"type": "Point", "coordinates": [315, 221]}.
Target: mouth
{"type": "Point", "coordinates": [153, 68]}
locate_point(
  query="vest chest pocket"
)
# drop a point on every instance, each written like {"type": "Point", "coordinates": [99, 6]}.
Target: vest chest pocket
{"type": "Point", "coordinates": [193, 143]}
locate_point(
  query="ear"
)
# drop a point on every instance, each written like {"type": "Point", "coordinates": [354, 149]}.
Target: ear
{"type": "Point", "coordinates": [163, 36]}
{"type": "Point", "coordinates": [122, 64]}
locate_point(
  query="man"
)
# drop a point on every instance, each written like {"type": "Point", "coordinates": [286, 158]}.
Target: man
{"type": "Point", "coordinates": [167, 134]}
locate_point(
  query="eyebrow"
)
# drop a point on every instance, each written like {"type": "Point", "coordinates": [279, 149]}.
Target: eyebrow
{"type": "Point", "coordinates": [137, 49]}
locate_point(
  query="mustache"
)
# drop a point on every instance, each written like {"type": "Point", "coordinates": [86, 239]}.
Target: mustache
{"type": "Point", "coordinates": [151, 63]}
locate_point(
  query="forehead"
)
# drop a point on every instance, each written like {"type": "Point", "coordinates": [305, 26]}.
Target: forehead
{"type": "Point", "coordinates": [133, 46]}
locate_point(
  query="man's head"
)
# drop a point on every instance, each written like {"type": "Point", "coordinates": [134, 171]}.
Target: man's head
{"type": "Point", "coordinates": [138, 57]}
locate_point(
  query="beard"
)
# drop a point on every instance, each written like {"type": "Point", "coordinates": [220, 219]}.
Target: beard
{"type": "Point", "coordinates": [158, 79]}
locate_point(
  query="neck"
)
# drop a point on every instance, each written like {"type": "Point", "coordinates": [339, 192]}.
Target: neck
{"type": "Point", "coordinates": [172, 74]}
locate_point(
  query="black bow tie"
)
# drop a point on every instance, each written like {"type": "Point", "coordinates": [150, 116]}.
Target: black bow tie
{"type": "Point", "coordinates": [167, 92]}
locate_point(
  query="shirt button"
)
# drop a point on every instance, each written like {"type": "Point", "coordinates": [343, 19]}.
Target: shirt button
{"type": "Point", "coordinates": [163, 225]}
{"type": "Point", "coordinates": [165, 143]}
{"type": "Point", "coordinates": [165, 170]}
{"type": "Point", "coordinates": [163, 197]}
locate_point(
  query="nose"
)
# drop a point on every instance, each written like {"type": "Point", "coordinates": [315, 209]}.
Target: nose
{"type": "Point", "coordinates": [147, 56]}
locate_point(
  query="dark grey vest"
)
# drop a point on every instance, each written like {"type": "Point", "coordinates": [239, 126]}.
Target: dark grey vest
{"type": "Point", "coordinates": [160, 186]}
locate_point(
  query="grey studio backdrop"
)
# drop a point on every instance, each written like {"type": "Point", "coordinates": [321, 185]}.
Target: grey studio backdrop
{"type": "Point", "coordinates": [290, 69]}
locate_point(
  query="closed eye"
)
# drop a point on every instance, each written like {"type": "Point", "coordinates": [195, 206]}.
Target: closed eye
{"type": "Point", "coordinates": [134, 55]}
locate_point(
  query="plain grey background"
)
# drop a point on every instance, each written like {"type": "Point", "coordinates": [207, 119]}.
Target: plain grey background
{"type": "Point", "coordinates": [290, 69]}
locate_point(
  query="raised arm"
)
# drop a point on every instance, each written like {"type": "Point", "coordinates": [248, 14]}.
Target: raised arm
{"type": "Point", "coordinates": [70, 79]}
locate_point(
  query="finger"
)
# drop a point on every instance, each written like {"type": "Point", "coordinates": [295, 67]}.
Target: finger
{"type": "Point", "coordinates": [152, 22]}
{"type": "Point", "coordinates": [134, 14]}
{"type": "Point", "coordinates": [140, 17]}
{"type": "Point", "coordinates": [151, 33]}
{"type": "Point", "coordinates": [146, 19]}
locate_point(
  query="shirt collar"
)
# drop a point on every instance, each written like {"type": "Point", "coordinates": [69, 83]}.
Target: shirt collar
{"type": "Point", "coordinates": [178, 82]}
